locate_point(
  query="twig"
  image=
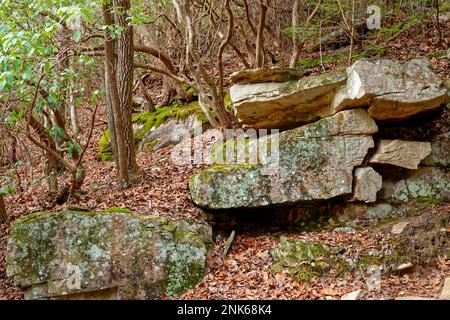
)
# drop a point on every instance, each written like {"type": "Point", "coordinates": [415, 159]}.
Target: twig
{"type": "Point", "coordinates": [228, 243]}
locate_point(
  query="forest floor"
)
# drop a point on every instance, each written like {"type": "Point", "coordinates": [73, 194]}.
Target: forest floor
{"type": "Point", "coordinates": [245, 273]}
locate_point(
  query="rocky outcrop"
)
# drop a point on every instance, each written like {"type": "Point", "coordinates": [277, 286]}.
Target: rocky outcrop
{"type": "Point", "coordinates": [102, 255]}
{"type": "Point", "coordinates": [315, 162]}
{"type": "Point", "coordinates": [285, 104]}
{"type": "Point", "coordinates": [391, 89]}
{"type": "Point", "coordinates": [326, 154]}
{"type": "Point", "coordinates": [405, 154]}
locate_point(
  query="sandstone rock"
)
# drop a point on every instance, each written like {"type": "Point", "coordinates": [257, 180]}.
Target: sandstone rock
{"type": "Point", "coordinates": [393, 90]}
{"type": "Point", "coordinates": [71, 255]}
{"type": "Point", "coordinates": [426, 182]}
{"type": "Point", "coordinates": [313, 162]}
{"type": "Point", "coordinates": [280, 105]}
{"type": "Point", "coordinates": [440, 152]}
{"type": "Point", "coordinates": [261, 75]}
{"type": "Point", "coordinates": [445, 293]}
{"type": "Point", "coordinates": [355, 295]}
{"type": "Point", "coordinates": [405, 154]}
{"type": "Point", "coordinates": [367, 183]}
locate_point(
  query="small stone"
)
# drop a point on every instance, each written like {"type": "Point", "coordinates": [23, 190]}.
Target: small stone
{"type": "Point", "coordinates": [399, 227]}
{"type": "Point", "coordinates": [405, 154]}
{"type": "Point", "coordinates": [445, 293]}
{"type": "Point", "coordinates": [367, 184]}
{"type": "Point", "coordinates": [404, 267]}
{"type": "Point", "coordinates": [354, 295]}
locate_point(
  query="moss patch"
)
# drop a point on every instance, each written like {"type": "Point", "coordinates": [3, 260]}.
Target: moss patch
{"type": "Point", "coordinates": [306, 260]}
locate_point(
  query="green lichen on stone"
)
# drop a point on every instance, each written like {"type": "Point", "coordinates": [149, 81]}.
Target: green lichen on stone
{"type": "Point", "coordinates": [143, 257]}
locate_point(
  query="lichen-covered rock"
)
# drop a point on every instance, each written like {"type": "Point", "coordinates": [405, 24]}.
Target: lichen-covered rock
{"type": "Point", "coordinates": [280, 105]}
{"type": "Point", "coordinates": [405, 154]}
{"type": "Point", "coordinates": [440, 152]}
{"type": "Point", "coordinates": [391, 89]}
{"type": "Point", "coordinates": [367, 183]}
{"type": "Point", "coordinates": [313, 162]}
{"type": "Point", "coordinates": [261, 75]}
{"type": "Point", "coordinates": [117, 255]}
{"type": "Point", "coordinates": [424, 183]}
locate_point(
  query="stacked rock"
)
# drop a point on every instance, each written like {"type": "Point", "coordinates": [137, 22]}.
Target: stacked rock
{"type": "Point", "coordinates": [327, 148]}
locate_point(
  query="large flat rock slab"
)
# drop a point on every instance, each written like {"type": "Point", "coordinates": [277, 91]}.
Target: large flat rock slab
{"type": "Point", "coordinates": [261, 75]}
{"type": "Point", "coordinates": [73, 255]}
{"type": "Point", "coordinates": [405, 154]}
{"type": "Point", "coordinates": [315, 162]}
{"type": "Point", "coordinates": [281, 105]}
{"type": "Point", "coordinates": [392, 90]}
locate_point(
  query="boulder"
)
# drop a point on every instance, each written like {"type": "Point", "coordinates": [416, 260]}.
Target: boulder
{"type": "Point", "coordinates": [405, 154]}
{"type": "Point", "coordinates": [440, 152]}
{"type": "Point", "coordinates": [313, 162]}
{"type": "Point", "coordinates": [282, 105]}
{"type": "Point", "coordinates": [367, 183]}
{"type": "Point", "coordinates": [117, 255]}
{"type": "Point", "coordinates": [391, 89]}
{"type": "Point", "coordinates": [261, 75]}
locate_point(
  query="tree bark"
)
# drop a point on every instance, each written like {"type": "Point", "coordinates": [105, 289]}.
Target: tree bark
{"type": "Point", "coordinates": [259, 57]}
{"type": "Point", "coordinates": [125, 69]}
{"type": "Point", "coordinates": [3, 215]}
{"type": "Point", "coordinates": [75, 124]}
{"type": "Point", "coordinates": [114, 99]}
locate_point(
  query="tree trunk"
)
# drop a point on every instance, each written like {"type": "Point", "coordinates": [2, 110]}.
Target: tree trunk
{"type": "Point", "coordinates": [295, 45]}
{"type": "Point", "coordinates": [3, 215]}
{"type": "Point", "coordinates": [111, 85]}
{"type": "Point", "coordinates": [75, 124]}
{"type": "Point", "coordinates": [259, 37]}
{"type": "Point", "coordinates": [125, 54]}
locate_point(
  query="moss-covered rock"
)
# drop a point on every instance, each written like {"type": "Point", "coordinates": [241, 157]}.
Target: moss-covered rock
{"type": "Point", "coordinates": [116, 255]}
{"type": "Point", "coordinates": [153, 130]}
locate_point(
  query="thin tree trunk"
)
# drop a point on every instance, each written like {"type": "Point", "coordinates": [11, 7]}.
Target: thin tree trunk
{"type": "Point", "coordinates": [259, 56]}
{"type": "Point", "coordinates": [75, 124]}
{"type": "Point", "coordinates": [295, 45]}
{"type": "Point", "coordinates": [125, 69]}
{"type": "Point", "coordinates": [115, 99]}
{"type": "Point", "coordinates": [3, 215]}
